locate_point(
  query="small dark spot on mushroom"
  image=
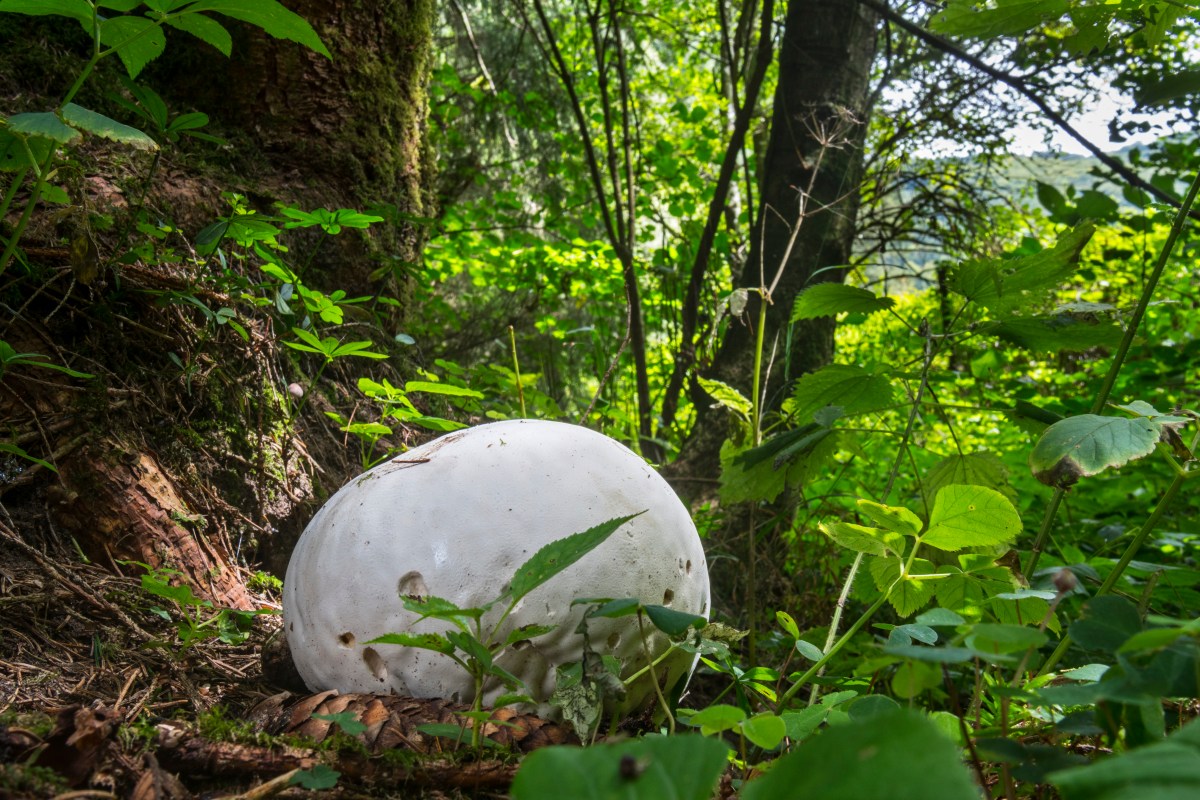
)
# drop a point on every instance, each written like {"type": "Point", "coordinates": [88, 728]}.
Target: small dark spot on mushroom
{"type": "Point", "coordinates": [668, 597]}
{"type": "Point", "coordinates": [688, 567]}
{"type": "Point", "coordinates": [346, 639]}
{"type": "Point", "coordinates": [291, 626]}
{"type": "Point", "coordinates": [375, 664]}
{"type": "Point", "coordinates": [613, 640]}
{"type": "Point", "coordinates": [412, 586]}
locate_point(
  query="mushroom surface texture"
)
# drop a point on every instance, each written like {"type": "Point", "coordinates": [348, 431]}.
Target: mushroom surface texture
{"type": "Point", "coordinates": [454, 519]}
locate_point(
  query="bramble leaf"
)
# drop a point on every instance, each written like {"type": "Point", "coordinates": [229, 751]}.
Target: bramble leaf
{"type": "Point", "coordinates": [971, 516]}
{"type": "Point", "coordinates": [558, 555]}
{"type": "Point", "coordinates": [831, 299]}
{"type": "Point", "coordinates": [1087, 444]}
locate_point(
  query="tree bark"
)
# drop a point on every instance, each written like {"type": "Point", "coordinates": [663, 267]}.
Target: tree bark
{"type": "Point", "coordinates": [810, 178]}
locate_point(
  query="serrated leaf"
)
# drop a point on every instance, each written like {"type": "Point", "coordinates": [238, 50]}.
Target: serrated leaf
{"type": "Point", "coordinates": [1052, 334]}
{"type": "Point", "coordinates": [907, 595]}
{"type": "Point", "coordinates": [1002, 285]}
{"type": "Point", "coordinates": [14, 158]}
{"type": "Point", "coordinates": [75, 9]}
{"type": "Point", "coordinates": [894, 518]}
{"type": "Point", "coordinates": [270, 16]}
{"type": "Point", "coordinates": [100, 125]}
{"type": "Point", "coordinates": [852, 388]}
{"type": "Point", "coordinates": [1085, 445]}
{"type": "Point", "coordinates": [448, 389]}
{"type": "Point", "coordinates": [971, 516]}
{"type": "Point", "coordinates": [137, 41]}
{"type": "Point", "coordinates": [558, 555]}
{"type": "Point", "coordinates": [892, 754]}
{"type": "Point", "coordinates": [1005, 18]}
{"type": "Point", "coordinates": [205, 29]}
{"type": "Point", "coordinates": [973, 469]}
{"type": "Point", "coordinates": [863, 539]}
{"type": "Point", "coordinates": [424, 641]}
{"type": "Point", "coordinates": [830, 299]}
{"type": "Point", "coordinates": [727, 396]}
{"type": "Point", "coordinates": [44, 125]}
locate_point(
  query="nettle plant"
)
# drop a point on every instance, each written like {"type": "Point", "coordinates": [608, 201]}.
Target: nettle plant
{"type": "Point", "coordinates": [132, 30]}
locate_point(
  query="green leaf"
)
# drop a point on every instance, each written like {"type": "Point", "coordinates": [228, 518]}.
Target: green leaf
{"type": "Point", "coordinates": [1081, 446]}
{"type": "Point", "coordinates": [526, 632]}
{"type": "Point", "coordinates": [1002, 285]}
{"type": "Point", "coordinates": [999, 639]}
{"type": "Point", "coordinates": [1161, 90]}
{"type": "Point", "coordinates": [788, 623]}
{"type": "Point", "coordinates": [44, 125]}
{"type": "Point", "coordinates": [100, 125]}
{"type": "Point", "coordinates": [830, 299]}
{"type": "Point", "coordinates": [684, 767]}
{"type": "Point", "coordinates": [1061, 332]}
{"type": "Point", "coordinates": [558, 555]}
{"type": "Point", "coordinates": [425, 641]}
{"type": "Point", "coordinates": [79, 10]}
{"type": "Point", "coordinates": [348, 721]}
{"type": "Point", "coordinates": [717, 719]}
{"type": "Point", "coordinates": [319, 777]}
{"type": "Point", "coordinates": [448, 389]}
{"type": "Point", "coordinates": [849, 387]}
{"type": "Point", "coordinates": [14, 158]}
{"type": "Point", "coordinates": [205, 29]}
{"type": "Point", "coordinates": [1105, 623]}
{"type": "Point", "coordinates": [269, 15]}
{"type": "Point", "coordinates": [974, 469]}
{"type": "Point", "coordinates": [861, 539]}
{"type": "Point", "coordinates": [971, 516]}
{"type": "Point", "coordinates": [906, 595]}
{"type": "Point", "coordinates": [894, 518]}
{"type": "Point", "coordinates": [1166, 770]}
{"type": "Point", "coordinates": [809, 650]}
{"type": "Point", "coordinates": [1003, 18]}
{"type": "Point", "coordinates": [9, 447]}
{"type": "Point", "coordinates": [137, 40]}
{"type": "Point", "coordinates": [672, 622]}
{"type": "Point", "coordinates": [939, 617]}
{"type": "Point", "coordinates": [765, 730]}
{"type": "Point", "coordinates": [899, 755]}
{"type": "Point", "coordinates": [727, 396]}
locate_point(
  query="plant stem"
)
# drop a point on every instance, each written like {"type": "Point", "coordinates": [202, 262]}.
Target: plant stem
{"type": "Point", "coordinates": [512, 340]}
{"type": "Point", "coordinates": [1181, 217]}
{"type": "Point", "coordinates": [1130, 551]}
{"type": "Point", "coordinates": [832, 651]}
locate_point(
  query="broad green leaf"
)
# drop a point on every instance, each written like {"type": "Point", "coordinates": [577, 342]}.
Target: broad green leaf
{"type": "Point", "coordinates": [830, 299]}
{"type": "Point", "coordinates": [898, 755]}
{"type": "Point", "coordinates": [319, 777]}
{"type": "Point", "coordinates": [861, 539]}
{"type": "Point", "coordinates": [100, 125]}
{"type": "Point", "coordinates": [809, 650]}
{"type": "Point", "coordinates": [1003, 285]}
{"type": "Point", "coordinates": [971, 516]}
{"type": "Point", "coordinates": [79, 10]}
{"type": "Point", "coordinates": [684, 767]}
{"type": "Point", "coordinates": [1002, 18]}
{"type": "Point", "coordinates": [916, 630]}
{"type": "Point", "coordinates": [672, 622]}
{"type": "Point", "coordinates": [785, 447]}
{"type": "Point", "coordinates": [449, 389]}
{"type": "Point", "coordinates": [906, 595]}
{"type": "Point", "coordinates": [717, 718]}
{"type": "Point", "coordinates": [765, 479]}
{"type": "Point", "coordinates": [765, 730]}
{"type": "Point", "coordinates": [137, 40]}
{"type": "Point", "coordinates": [425, 641]}
{"type": "Point", "coordinates": [1166, 770]}
{"type": "Point", "coordinates": [939, 617]}
{"type": "Point", "coordinates": [44, 125]}
{"type": "Point", "coordinates": [1051, 334]}
{"type": "Point", "coordinates": [205, 29]}
{"type": "Point", "coordinates": [973, 469]}
{"type": "Point", "coordinates": [558, 555]}
{"type": "Point", "coordinates": [269, 15]}
{"type": "Point", "coordinates": [348, 721]}
{"type": "Point", "coordinates": [894, 518]}
{"type": "Point", "coordinates": [727, 396]}
{"type": "Point", "coordinates": [1105, 623]}
{"type": "Point", "coordinates": [13, 156]}
{"type": "Point", "coordinates": [1087, 444]}
{"type": "Point", "coordinates": [849, 387]}
{"type": "Point", "coordinates": [999, 639]}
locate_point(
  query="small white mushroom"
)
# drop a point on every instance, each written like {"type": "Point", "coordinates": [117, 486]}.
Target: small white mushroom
{"type": "Point", "coordinates": [454, 519]}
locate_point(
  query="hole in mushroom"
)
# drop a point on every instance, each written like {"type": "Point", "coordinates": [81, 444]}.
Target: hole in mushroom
{"type": "Point", "coordinates": [346, 639]}
{"type": "Point", "coordinates": [375, 664]}
{"type": "Point", "coordinates": [668, 596]}
{"type": "Point", "coordinates": [688, 567]}
{"type": "Point", "coordinates": [412, 586]}
{"type": "Point", "coordinates": [613, 640]}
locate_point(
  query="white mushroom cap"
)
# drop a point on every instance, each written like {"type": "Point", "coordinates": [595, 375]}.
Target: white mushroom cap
{"type": "Point", "coordinates": [454, 519]}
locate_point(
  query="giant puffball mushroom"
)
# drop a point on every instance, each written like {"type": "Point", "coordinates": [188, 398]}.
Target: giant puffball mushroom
{"type": "Point", "coordinates": [454, 519]}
